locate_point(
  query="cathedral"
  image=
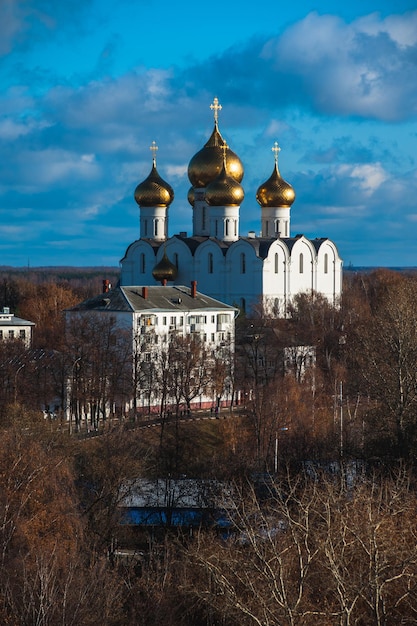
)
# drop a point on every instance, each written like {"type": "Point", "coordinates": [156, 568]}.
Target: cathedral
{"type": "Point", "coordinates": [241, 271]}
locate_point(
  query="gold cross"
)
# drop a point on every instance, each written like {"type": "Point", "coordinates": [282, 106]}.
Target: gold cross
{"type": "Point", "coordinates": [216, 107]}
{"type": "Point", "coordinates": [154, 149]}
{"type": "Point", "coordinates": [276, 150]}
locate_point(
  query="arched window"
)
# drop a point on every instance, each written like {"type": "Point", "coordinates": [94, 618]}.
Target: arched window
{"type": "Point", "coordinates": [142, 263]}
{"type": "Point", "coordinates": [286, 229]}
{"type": "Point", "coordinates": [266, 228]}
{"type": "Point", "coordinates": [216, 231]}
{"type": "Point", "coordinates": [203, 218]}
{"type": "Point", "coordinates": [243, 305]}
{"type": "Point", "coordinates": [243, 263]}
{"type": "Point", "coordinates": [235, 233]}
{"type": "Point", "coordinates": [146, 228]}
{"type": "Point", "coordinates": [326, 263]}
{"type": "Point", "coordinates": [156, 228]}
{"type": "Point", "coordinates": [227, 228]}
{"type": "Point", "coordinates": [210, 263]}
{"type": "Point", "coordinates": [176, 260]}
{"type": "Point", "coordinates": [301, 263]}
{"type": "Point", "coordinates": [276, 262]}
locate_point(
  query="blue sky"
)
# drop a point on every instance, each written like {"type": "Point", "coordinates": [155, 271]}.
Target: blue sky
{"type": "Point", "coordinates": [87, 85]}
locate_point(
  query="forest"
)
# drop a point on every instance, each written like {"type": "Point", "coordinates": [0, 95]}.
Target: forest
{"type": "Point", "coordinates": [315, 469]}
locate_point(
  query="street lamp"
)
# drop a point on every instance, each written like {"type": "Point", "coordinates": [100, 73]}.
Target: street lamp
{"type": "Point", "coordinates": [72, 397]}
{"type": "Point", "coordinates": [15, 381]}
{"type": "Point", "coordinates": [276, 448]}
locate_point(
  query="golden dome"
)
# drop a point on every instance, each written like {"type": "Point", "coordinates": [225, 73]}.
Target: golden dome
{"type": "Point", "coordinates": [207, 164]}
{"type": "Point", "coordinates": [165, 270]}
{"type": "Point", "coordinates": [275, 192]}
{"type": "Point", "coordinates": [154, 190]}
{"type": "Point", "coordinates": [224, 190]}
{"type": "Point", "coordinates": [191, 196]}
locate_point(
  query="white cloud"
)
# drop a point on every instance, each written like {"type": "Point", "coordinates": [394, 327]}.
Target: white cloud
{"type": "Point", "coordinates": [370, 176]}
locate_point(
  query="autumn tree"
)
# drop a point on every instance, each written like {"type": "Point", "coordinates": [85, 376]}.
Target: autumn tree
{"type": "Point", "coordinates": [383, 349]}
{"type": "Point", "coordinates": [99, 367]}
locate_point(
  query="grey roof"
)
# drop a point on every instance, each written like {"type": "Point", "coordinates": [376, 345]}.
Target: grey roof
{"type": "Point", "coordinates": [11, 320]}
{"type": "Point", "coordinates": [169, 298]}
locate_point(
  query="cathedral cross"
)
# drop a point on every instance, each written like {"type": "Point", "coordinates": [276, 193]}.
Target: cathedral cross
{"type": "Point", "coordinates": [216, 107]}
{"type": "Point", "coordinates": [276, 150]}
{"type": "Point", "coordinates": [154, 149]}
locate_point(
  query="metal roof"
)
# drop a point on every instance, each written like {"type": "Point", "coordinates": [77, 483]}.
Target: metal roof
{"type": "Point", "coordinates": [157, 298]}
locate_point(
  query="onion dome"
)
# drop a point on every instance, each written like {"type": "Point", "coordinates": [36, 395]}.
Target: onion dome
{"type": "Point", "coordinates": [275, 192]}
{"type": "Point", "coordinates": [207, 164]}
{"type": "Point", "coordinates": [224, 190]}
{"type": "Point", "coordinates": [154, 190]}
{"type": "Point", "coordinates": [165, 271]}
{"type": "Point", "coordinates": [191, 196]}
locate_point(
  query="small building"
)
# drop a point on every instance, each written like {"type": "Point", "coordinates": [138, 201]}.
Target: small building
{"type": "Point", "coordinates": [12, 327]}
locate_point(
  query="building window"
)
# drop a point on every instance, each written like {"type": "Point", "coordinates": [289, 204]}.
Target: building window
{"type": "Point", "coordinates": [146, 228]}
{"type": "Point", "coordinates": [11, 334]}
{"type": "Point", "coordinates": [286, 229]}
{"type": "Point", "coordinates": [203, 218]}
{"type": "Point", "coordinates": [243, 305]}
{"type": "Point", "coordinates": [176, 260]}
{"type": "Point", "coordinates": [212, 337]}
{"type": "Point", "coordinates": [142, 263]}
{"type": "Point", "coordinates": [227, 227]}
{"type": "Point", "coordinates": [1, 334]}
{"type": "Point", "coordinates": [216, 232]}
{"type": "Point", "coordinates": [326, 263]}
{"type": "Point", "coordinates": [213, 319]}
{"type": "Point", "coordinates": [156, 228]}
{"type": "Point", "coordinates": [210, 263]}
{"type": "Point", "coordinates": [243, 263]}
{"type": "Point", "coordinates": [22, 334]}
{"type": "Point", "coordinates": [235, 228]}
{"type": "Point", "coordinates": [266, 228]}
{"type": "Point", "coordinates": [164, 320]}
{"type": "Point", "coordinates": [276, 263]}
{"type": "Point", "coordinates": [301, 263]}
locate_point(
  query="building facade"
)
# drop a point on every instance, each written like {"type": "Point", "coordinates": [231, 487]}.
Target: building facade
{"type": "Point", "coordinates": [171, 350]}
{"type": "Point", "coordinates": [242, 271]}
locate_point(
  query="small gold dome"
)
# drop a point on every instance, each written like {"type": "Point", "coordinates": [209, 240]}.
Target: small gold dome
{"type": "Point", "coordinates": [154, 190]}
{"type": "Point", "coordinates": [224, 190]}
{"type": "Point", "coordinates": [207, 164]}
{"type": "Point", "coordinates": [165, 270]}
{"type": "Point", "coordinates": [275, 192]}
{"type": "Point", "coordinates": [191, 196]}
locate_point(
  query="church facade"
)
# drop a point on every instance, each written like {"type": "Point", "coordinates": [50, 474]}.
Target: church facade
{"type": "Point", "coordinates": [241, 271]}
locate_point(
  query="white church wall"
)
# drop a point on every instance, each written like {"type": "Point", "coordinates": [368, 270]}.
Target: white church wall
{"type": "Point", "coordinates": [329, 272]}
{"type": "Point", "coordinates": [138, 264]}
{"type": "Point", "coordinates": [243, 275]}
{"type": "Point", "coordinates": [275, 277]}
{"type": "Point", "coordinates": [302, 276]}
{"type": "Point", "coordinates": [210, 269]}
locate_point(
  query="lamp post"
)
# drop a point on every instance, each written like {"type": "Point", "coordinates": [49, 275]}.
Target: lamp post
{"type": "Point", "coordinates": [276, 447]}
{"type": "Point", "coordinates": [15, 381]}
{"type": "Point", "coordinates": [72, 396]}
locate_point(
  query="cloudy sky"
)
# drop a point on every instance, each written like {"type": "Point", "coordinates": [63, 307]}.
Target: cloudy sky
{"type": "Point", "coordinates": [87, 85]}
